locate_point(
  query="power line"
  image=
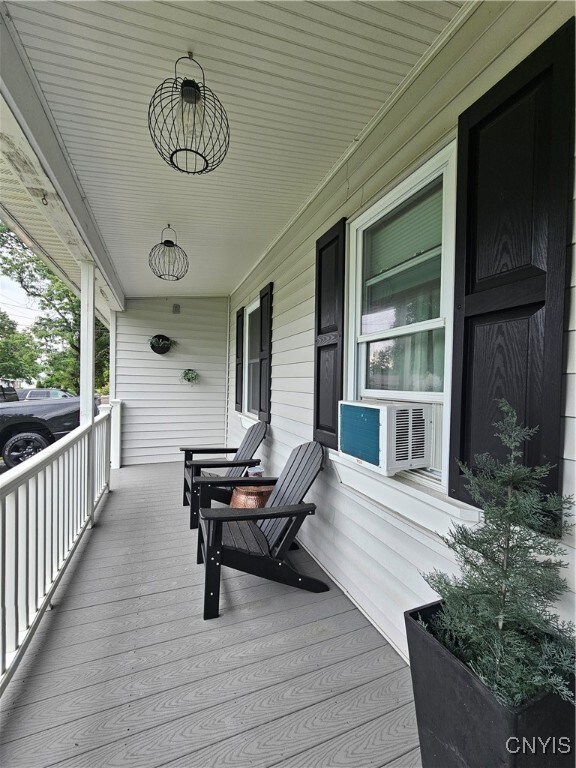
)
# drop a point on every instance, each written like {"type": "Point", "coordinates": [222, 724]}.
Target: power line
{"type": "Point", "coordinates": [17, 306]}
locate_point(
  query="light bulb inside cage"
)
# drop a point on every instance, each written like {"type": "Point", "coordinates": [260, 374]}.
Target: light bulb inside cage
{"type": "Point", "coordinates": [188, 124]}
{"type": "Point", "coordinates": [167, 260]}
{"type": "Point", "coordinates": [191, 115]}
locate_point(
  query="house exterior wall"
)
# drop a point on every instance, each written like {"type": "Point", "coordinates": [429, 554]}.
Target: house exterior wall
{"type": "Point", "coordinates": [159, 413]}
{"type": "Point", "coordinates": [376, 550]}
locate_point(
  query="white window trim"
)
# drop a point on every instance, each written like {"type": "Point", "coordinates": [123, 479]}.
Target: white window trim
{"type": "Point", "coordinates": [404, 496]}
{"type": "Point", "coordinates": [246, 414]}
{"type": "Point", "coordinates": [443, 164]}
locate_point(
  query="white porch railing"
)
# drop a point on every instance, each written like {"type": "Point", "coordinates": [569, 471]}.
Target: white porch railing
{"type": "Point", "coordinates": [46, 504]}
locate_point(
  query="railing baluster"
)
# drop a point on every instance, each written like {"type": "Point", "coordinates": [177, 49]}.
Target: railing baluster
{"type": "Point", "coordinates": [64, 498]}
{"type": "Point", "coordinates": [42, 534]}
{"type": "Point", "coordinates": [84, 478]}
{"type": "Point", "coordinates": [61, 518]}
{"type": "Point", "coordinates": [75, 488]}
{"type": "Point", "coordinates": [65, 505]}
{"type": "Point", "coordinates": [99, 455]}
{"type": "Point", "coordinates": [33, 490]}
{"type": "Point", "coordinates": [23, 558]}
{"type": "Point", "coordinates": [83, 481]}
{"type": "Point", "coordinates": [29, 492]}
{"type": "Point", "coordinates": [107, 448]}
{"type": "Point", "coordinates": [49, 527]}
{"type": "Point", "coordinates": [14, 550]}
{"type": "Point", "coordinates": [78, 448]}
{"type": "Point", "coordinates": [69, 501]}
{"type": "Point", "coordinates": [55, 517]}
{"type": "Point", "coordinates": [96, 464]}
{"type": "Point", "coordinates": [3, 584]}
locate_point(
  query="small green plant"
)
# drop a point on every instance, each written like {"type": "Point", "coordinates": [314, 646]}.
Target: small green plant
{"type": "Point", "coordinates": [498, 615]}
{"type": "Point", "coordinates": [189, 376]}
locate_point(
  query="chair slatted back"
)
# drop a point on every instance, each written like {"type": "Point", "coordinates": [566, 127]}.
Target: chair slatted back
{"type": "Point", "coordinates": [248, 447]}
{"type": "Point", "coordinates": [302, 468]}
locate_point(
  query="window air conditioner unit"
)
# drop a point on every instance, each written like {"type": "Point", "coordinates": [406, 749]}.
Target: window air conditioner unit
{"type": "Point", "coordinates": [387, 437]}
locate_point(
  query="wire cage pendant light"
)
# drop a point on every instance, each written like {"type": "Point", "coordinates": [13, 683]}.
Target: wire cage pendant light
{"type": "Point", "coordinates": [167, 260]}
{"type": "Point", "coordinates": [188, 124]}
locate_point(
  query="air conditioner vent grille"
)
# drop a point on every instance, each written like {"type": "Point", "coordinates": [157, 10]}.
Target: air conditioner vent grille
{"type": "Point", "coordinates": [418, 434]}
{"type": "Point", "coordinates": [410, 442]}
{"type": "Point", "coordinates": [402, 435]}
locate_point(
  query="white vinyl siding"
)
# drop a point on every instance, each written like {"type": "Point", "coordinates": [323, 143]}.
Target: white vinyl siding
{"type": "Point", "coordinates": [160, 413]}
{"type": "Point", "coordinates": [376, 550]}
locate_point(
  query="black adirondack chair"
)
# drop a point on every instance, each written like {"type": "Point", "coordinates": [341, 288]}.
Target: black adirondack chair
{"type": "Point", "coordinates": [257, 540]}
{"type": "Point", "coordinates": [236, 466]}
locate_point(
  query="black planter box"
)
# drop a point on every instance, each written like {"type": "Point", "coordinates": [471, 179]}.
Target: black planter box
{"type": "Point", "coordinates": [462, 725]}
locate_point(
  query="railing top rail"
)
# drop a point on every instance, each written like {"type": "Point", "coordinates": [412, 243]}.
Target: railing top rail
{"type": "Point", "coordinates": [17, 476]}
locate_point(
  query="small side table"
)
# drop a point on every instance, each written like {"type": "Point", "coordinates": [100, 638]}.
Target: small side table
{"type": "Point", "coordinates": [250, 496]}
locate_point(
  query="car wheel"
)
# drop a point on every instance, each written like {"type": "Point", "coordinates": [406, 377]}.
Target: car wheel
{"type": "Point", "coordinates": [21, 446]}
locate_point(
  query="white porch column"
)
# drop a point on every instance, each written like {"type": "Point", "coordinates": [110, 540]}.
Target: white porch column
{"type": "Point", "coordinates": [87, 315]}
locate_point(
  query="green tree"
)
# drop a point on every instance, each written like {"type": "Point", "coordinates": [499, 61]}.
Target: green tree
{"type": "Point", "coordinates": [498, 615]}
{"type": "Point", "coordinates": [19, 352]}
{"type": "Point", "coordinates": [58, 330]}
{"type": "Point", "coordinates": [7, 325]}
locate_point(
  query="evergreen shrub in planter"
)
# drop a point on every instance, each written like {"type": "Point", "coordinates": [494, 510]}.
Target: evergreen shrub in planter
{"type": "Point", "coordinates": [492, 665]}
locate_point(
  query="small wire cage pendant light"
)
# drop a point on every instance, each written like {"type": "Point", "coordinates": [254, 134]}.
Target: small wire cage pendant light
{"type": "Point", "coordinates": [167, 260]}
{"type": "Point", "coordinates": [188, 124]}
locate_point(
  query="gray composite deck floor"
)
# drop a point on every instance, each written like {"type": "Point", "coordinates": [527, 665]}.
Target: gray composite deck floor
{"type": "Point", "coordinates": [124, 671]}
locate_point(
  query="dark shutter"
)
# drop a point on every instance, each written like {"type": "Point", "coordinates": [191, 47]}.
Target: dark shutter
{"type": "Point", "coordinates": [329, 331]}
{"type": "Point", "coordinates": [265, 352]}
{"type": "Point", "coordinates": [239, 357]}
{"type": "Point", "coordinates": [512, 234]}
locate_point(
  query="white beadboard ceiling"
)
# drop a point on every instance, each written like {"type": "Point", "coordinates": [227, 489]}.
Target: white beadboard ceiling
{"type": "Point", "coordinates": [299, 81]}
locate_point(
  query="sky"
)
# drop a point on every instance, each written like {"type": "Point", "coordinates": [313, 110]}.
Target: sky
{"type": "Point", "coordinates": [14, 301]}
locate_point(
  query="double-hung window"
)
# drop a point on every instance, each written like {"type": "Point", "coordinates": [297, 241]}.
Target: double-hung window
{"type": "Point", "coordinates": [402, 259]}
{"type": "Point", "coordinates": [252, 359]}
{"type": "Point", "coordinates": [253, 386]}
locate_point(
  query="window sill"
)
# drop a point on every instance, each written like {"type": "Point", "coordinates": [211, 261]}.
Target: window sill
{"type": "Point", "coordinates": [248, 420]}
{"type": "Point", "coordinates": [424, 505]}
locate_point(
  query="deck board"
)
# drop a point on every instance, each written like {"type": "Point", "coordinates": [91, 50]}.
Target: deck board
{"type": "Point", "coordinates": [124, 671]}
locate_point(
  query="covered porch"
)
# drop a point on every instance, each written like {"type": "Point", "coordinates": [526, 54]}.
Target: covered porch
{"type": "Point", "coordinates": [344, 116]}
{"type": "Point", "coordinates": [123, 671]}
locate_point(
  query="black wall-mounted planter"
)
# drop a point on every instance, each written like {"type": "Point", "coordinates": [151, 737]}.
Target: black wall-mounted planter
{"type": "Point", "coordinates": [462, 725]}
{"type": "Point", "coordinates": [160, 344]}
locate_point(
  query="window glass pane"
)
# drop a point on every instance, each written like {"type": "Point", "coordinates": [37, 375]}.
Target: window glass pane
{"type": "Point", "coordinates": [411, 363]}
{"type": "Point", "coordinates": [401, 264]}
{"type": "Point", "coordinates": [253, 389]}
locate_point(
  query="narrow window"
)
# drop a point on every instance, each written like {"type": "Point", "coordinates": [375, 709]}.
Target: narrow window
{"type": "Point", "coordinates": [252, 358]}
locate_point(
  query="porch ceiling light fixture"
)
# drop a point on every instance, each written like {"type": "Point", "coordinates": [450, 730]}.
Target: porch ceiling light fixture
{"type": "Point", "coordinates": [167, 260]}
{"type": "Point", "coordinates": [188, 124]}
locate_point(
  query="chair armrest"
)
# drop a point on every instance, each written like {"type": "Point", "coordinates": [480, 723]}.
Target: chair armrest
{"type": "Point", "coordinates": [262, 513]}
{"type": "Point", "coordinates": [232, 482]}
{"type": "Point", "coordinates": [196, 449]}
{"type": "Point", "coordinates": [214, 463]}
